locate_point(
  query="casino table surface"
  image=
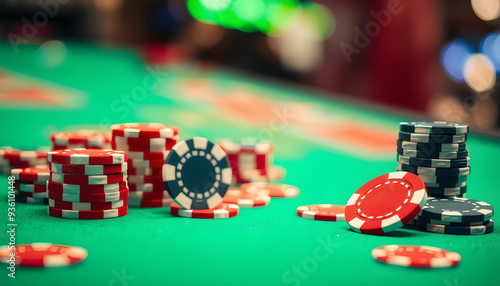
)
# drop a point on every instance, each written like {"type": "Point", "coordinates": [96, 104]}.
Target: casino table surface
{"type": "Point", "coordinates": [328, 145]}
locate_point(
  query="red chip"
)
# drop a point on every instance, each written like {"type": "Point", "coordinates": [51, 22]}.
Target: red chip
{"type": "Point", "coordinates": [100, 214]}
{"type": "Point", "coordinates": [86, 138]}
{"type": "Point", "coordinates": [87, 157]}
{"type": "Point", "coordinates": [32, 174]}
{"type": "Point", "coordinates": [416, 256]}
{"type": "Point", "coordinates": [325, 212]}
{"type": "Point", "coordinates": [224, 210]}
{"type": "Point", "coordinates": [144, 130]}
{"type": "Point", "coordinates": [247, 198]}
{"type": "Point", "coordinates": [43, 254]}
{"type": "Point", "coordinates": [273, 190]}
{"type": "Point", "coordinates": [386, 203]}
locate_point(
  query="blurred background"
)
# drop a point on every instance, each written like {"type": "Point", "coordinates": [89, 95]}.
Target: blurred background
{"type": "Point", "coordinates": [439, 59]}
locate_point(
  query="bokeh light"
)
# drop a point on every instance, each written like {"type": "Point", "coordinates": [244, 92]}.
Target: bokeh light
{"type": "Point", "coordinates": [453, 57]}
{"type": "Point", "coordinates": [51, 54]}
{"type": "Point", "coordinates": [486, 10]}
{"type": "Point", "coordinates": [490, 46]}
{"type": "Point", "coordinates": [479, 73]}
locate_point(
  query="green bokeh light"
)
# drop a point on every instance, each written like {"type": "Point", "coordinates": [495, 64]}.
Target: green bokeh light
{"type": "Point", "coordinates": [268, 16]}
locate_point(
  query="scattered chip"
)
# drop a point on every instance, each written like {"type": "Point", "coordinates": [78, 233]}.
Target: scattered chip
{"type": "Point", "coordinates": [273, 190]}
{"type": "Point", "coordinates": [224, 210]}
{"type": "Point", "coordinates": [325, 212]}
{"type": "Point", "coordinates": [416, 256]}
{"type": "Point", "coordinates": [246, 198]}
{"type": "Point", "coordinates": [385, 203]}
{"type": "Point", "coordinates": [43, 254]}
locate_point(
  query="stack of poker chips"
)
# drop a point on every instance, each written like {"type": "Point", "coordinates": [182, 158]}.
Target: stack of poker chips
{"type": "Point", "coordinates": [88, 139]}
{"type": "Point", "coordinates": [455, 216]}
{"type": "Point", "coordinates": [87, 184]}
{"type": "Point", "coordinates": [17, 159]}
{"type": "Point", "coordinates": [436, 152]}
{"type": "Point", "coordinates": [147, 145]}
{"type": "Point", "coordinates": [251, 161]}
{"type": "Point", "coordinates": [31, 184]}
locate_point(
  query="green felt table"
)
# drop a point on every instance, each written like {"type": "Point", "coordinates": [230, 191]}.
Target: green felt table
{"type": "Point", "coordinates": [96, 86]}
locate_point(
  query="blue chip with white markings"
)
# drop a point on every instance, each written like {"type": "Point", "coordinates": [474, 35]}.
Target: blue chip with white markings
{"type": "Point", "coordinates": [197, 174]}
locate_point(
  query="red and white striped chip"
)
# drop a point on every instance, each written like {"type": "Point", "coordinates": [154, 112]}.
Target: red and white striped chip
{"type": "Point", "coordinates": [325, 212]}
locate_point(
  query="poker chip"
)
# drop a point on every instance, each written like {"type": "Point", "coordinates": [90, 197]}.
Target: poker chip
{"type": "Point", "coordinates": [457, 210]}
{"type": "Point", "coordinates": [77, 189]}
{"type": "Point", "coordinates": [87, 157]}
{"type": "Point", "coordinates": [88, 179]}
{"type": "Point", "coordinates": [32, 201]}
{"type": "Point", "coordinates": [403, 195]}
{"type": "Point", "coordinates": [272, 189]}
{"type": "Point", "coordinates": [88, 206]}
{"type": "Point", "coordinates": [324, 212]}
{"type": "Point", "coordinates": [136, 163]}
{"type": "Point", "coordinates": [43, 254]}
{"type": "Point", "coordinates": [30, 188]}
{"type": "Point", "coordinates": [154, 179]}
{"type": "Point", "coordinates": [152, 187]}
{"type": "Point", "coordinates": [155, 203]}
{"type": "Point", "coordinates": [196, 174]}
{"type": "Point", "coordinates": [438, 155]}
{"type": "Point", "coordinates": [459, 230]}
{"type": "Point", "coordinates": [149, 195]}
{"type": "Point", "coordinates": [144, 130]}
{"type": "Point", "coordinates": [98, 214]}
{"type": "Point", "coordinates": [148, 155]}
{"type": "Point", "coordinates": [31, 174]}
{"type": "Point", "coordinates": [83, 138]}
{"type": "Point", "coordinates": [434, 127]}
{"type": "Point", "coordinates": [431, 147]}
{"type": "Point", "coordinates": [166, 143]}
{"type": "Point", "coordinates": [443, 179]}
{"type": "Point", "coordinates": [445, 185]}
{"type": "Point", "coordinates": [139, 148]}
{"type": "Point", "coordinates": [86, 197]}
{"type": "Point", "coordinates": [450, 223]}
{"type": "Point", "coordinates": [18, 155]}
{"type": "Point", "coordinates": [224, 210]}
{"type": "Point", "coordinates": [434, 171]}
{"type": "Point", "coordinates": [31, 195]}
{"type": "Point", "coordinates": [144, 171]}
{"type": "Point", "coordinates": [247, 198]}
{"type": "Point", "coordinates": [276, 173]}
{"type": "Point", "coordinates": [446, 192]}
{"type": "Point", "coordinates": [434, 163]}
{"type": "Point", "coordinates": [416, 256]}
{"type": "Point", "coordinates": [88, 169]}
{"type": "Point", "coordinates": [427, 138]}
